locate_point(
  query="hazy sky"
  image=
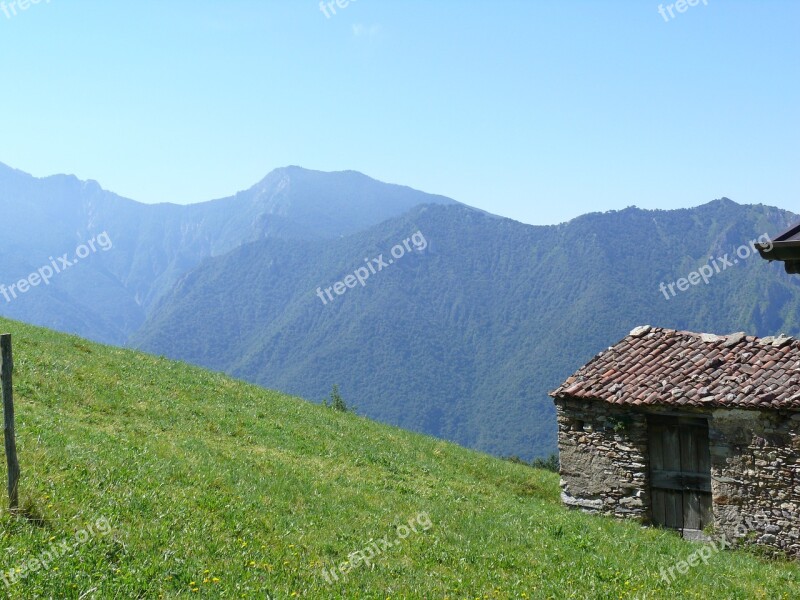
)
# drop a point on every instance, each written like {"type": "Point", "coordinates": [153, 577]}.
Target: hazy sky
{"type": "Point", "coordinates": [535, 110]}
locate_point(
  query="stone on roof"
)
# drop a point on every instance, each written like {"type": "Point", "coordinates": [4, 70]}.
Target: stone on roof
{"type": "Point", "coordinates": [656, 366]}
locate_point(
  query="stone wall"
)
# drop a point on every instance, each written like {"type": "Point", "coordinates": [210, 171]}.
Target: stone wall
{"type": "Point", "coordinates": [755, 468]}
{"type": "Point", "coordinates": [602, 451]}
{"type": "Point", "coordinates": [755, 477]}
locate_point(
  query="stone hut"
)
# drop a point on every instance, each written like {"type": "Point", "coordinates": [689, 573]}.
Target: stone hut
{"type": "Point", "coordinates": [695, 432]}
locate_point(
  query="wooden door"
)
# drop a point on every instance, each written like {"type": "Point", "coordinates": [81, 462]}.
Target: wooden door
{"type": "Point", "coordinates": [680, 473]}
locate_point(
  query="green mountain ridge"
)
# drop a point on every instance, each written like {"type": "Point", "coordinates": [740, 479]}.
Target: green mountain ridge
{"type": "Point", "coordinates": [464, 339]}
{"type": "Point", "coordinates": [461, 340]}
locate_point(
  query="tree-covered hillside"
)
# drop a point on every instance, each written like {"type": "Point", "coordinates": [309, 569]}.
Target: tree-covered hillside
{"type": "Point", "coordinates": [463, 339]}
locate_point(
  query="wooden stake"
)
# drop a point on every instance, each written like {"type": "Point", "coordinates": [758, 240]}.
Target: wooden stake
{"type": "Point", "coordinates": [6, 369]}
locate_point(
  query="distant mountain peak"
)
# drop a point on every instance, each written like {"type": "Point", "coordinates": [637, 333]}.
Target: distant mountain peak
{"type": "Point", "coordinates": [724, 201]}
{"type": "Point", "coordinates": [301, 173]}
{"type": "Point", "coordinates": [344, 201]}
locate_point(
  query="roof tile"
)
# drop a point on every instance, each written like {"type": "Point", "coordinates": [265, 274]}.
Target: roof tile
{"type": "Point", "coordinates": [680, 368]}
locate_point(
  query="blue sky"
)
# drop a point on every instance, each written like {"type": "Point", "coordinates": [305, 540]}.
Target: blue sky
{"type": "Point", "coordinates": [535, 110]}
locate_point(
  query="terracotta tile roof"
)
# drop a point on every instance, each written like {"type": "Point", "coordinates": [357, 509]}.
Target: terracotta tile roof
{"type": "Point", "coordinates": [680, 368]}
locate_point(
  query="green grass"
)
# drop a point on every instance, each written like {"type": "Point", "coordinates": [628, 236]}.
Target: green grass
{"type": "Point", "coordinates": [218, 489]}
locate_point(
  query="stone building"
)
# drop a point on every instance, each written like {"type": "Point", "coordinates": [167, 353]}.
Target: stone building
{"type": "Point", "coordinates": [694, 432]}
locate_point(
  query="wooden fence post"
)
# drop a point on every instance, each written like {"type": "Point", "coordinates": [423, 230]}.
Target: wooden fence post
{"type": "Point", "coordinates": [6, 369]}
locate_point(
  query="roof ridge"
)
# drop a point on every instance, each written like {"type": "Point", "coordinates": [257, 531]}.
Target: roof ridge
{"type": "Point", "coordinates": [657, 365]}
{"type": "Point", "coordinates": [782, 338]}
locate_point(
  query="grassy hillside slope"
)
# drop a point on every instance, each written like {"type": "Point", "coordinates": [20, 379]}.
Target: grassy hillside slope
{"type": "Point", "coordinates": [213, 488]}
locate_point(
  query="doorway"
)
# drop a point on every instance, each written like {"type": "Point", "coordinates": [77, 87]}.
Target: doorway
{"type": "Point", "coordinates": [680, 473]}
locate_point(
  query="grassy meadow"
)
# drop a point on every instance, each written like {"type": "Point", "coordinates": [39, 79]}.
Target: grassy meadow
{"type": "Point", "coordinates": [147, 478]}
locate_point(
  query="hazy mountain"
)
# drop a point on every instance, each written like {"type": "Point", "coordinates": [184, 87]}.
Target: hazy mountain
{"type": "Point", "coordinates": [107, 296]}
{"type": "Point", "coordinates": [463, 339]}
{"type": "Point", "coordinates": [460, 337]}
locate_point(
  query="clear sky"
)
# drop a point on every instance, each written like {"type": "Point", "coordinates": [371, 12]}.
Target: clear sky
{"type": "Point", "coordinates": [535, 110]}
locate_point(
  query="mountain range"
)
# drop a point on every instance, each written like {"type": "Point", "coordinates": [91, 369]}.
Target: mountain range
{"type": "Point", "coordinates": [427, 313]}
